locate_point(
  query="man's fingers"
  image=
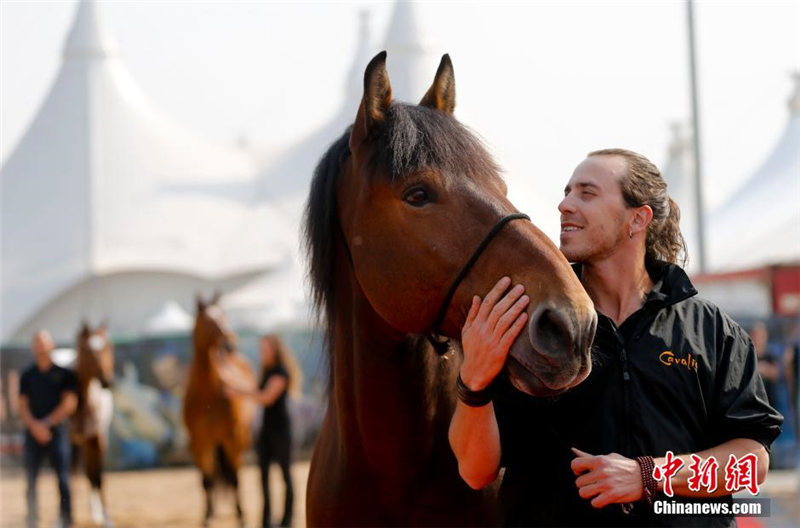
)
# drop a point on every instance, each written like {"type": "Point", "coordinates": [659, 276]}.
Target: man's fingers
{"type": "Point", "coordinates": [586, 479]}
{"type": "Point", "coordinates": [587, 492]}
{"type": "Point", "coordinates": [506, 319]}
{"type": "Point", "coordinates": [473, 310]}
{"type": "Point", "coordinates": [579, 452]}
{"type": "Point", "coordinates": [505, 304]}
{"type": "Point", "coordinates": [582, 463]}
{"type": "Point", "coordinates": [492, 297]}
{"type": "Point", "coordinates": [602, 500]}
{"type": "Point", "coordinates": [511, 334]}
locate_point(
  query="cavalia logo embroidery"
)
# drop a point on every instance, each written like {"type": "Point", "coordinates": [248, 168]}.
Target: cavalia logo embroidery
{"type": "Point", "coordinates": [670, 360]}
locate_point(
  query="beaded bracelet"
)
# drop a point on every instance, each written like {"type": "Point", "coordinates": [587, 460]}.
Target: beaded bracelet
{"type": "Point", "coordinates": [646, 465]}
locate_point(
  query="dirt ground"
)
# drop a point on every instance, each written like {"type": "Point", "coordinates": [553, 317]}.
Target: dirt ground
{"type": "Point", "coordinates": [173, 497]}
{"type": "Point", "coordinates": [160, 498]}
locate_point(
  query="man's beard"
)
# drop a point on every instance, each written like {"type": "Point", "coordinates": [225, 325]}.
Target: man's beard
{"type": "Point", "coordinates": [594, 249]}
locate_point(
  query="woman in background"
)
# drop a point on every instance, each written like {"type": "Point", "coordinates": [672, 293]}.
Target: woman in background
{"type": "Point", "coordinates": [280, 376]}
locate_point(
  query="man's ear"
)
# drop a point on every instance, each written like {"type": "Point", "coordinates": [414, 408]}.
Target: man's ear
{"type": "Point", "coordinates": [642, 217]}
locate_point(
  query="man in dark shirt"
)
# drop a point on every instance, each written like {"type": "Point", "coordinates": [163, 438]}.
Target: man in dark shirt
{"type": "Point", "coordinates": [671, 373]}
{"type": "Point", "coordinates": [48, 396]}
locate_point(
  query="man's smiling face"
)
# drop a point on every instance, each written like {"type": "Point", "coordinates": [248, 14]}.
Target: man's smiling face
{"type": "Point", "coordinates": [593, 211]}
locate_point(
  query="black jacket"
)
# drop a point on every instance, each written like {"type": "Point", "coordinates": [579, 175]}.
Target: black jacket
{"type": "Point", "coordinates": [677, 375]}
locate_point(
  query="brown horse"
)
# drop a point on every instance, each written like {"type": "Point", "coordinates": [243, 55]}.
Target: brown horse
{"type": "Point", "coordinates": [91, 421]}
{"type": "Point", "coordinates": [218, 420]}
{"type": "Point", "coordinates": [406, 220]}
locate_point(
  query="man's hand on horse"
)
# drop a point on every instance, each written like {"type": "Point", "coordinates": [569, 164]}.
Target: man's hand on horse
{"type": "Point", "coordinates": [607, 479]}
{"type": "Point", "coordinates": [491, 327]}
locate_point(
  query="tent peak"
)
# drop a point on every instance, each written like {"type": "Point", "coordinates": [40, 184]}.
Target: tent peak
{"type": "Point", "coordinates": [404, 29]}
{"type": "Point", "coordinates": [88, 37]}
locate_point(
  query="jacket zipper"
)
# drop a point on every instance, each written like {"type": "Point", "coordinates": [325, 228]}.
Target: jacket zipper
{"type": "Point", "coordinates": [626, 384]}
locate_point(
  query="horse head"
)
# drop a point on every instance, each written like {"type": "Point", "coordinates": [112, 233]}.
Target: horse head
{"type": "Point", "coordinates": [95, 355]}
{"type": "Point", "coordinates": [416, 196]}
{"type": "Point", "coordinates": [211, 330]}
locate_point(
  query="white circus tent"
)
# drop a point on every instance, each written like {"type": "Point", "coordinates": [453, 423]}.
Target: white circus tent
{"type": "Point", "coordinates": [760, 223]}
{"type": "Point", "coordinates": [92, 226]}
{"type": "Point", "coordinates": [110, 209]}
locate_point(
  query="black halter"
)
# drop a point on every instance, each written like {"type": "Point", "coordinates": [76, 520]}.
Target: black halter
{"type": "Point", "coordinates": [443, 345]}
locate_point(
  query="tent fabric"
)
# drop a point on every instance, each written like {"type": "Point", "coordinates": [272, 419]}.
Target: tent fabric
{"type": "Point", "coordinates": [760, 223]}
{"type": "Point", "coordinates": [89, 189]}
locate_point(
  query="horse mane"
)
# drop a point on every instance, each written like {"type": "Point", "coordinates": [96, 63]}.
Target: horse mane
{"type": "Point", "coordinates": [414, 138]}
{"type": "Point", "coordinates": [417, 137]}
{"type": "Point", "coordinates": [320, 231]}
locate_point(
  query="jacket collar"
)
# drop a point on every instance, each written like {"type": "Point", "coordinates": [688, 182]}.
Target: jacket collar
{"type": "Point", "coordinates": [671, 283]}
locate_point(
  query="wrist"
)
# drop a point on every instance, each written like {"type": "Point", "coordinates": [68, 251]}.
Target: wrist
{"type": "Point", "coordinates": [472, 398]}
{"type": "Point", "coordinates": [47, 422]}
{"type": "Point", "coordinates": [471, 381]}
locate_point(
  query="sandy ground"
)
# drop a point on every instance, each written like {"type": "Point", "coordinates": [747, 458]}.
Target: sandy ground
{"type": "Point", "coordinates": [158, 498]}
{"type": "Point", "coordinates": [173, 497]}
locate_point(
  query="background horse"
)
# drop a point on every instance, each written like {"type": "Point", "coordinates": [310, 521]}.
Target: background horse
{"type": "Point", "coordinates": [407, 219]}
{"type": "Point", "coordinates": [91, 422]}
{"type": "Point", "coordinates": [219, 422]}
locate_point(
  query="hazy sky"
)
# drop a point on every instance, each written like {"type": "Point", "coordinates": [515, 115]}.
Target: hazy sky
{"type": "Point", "coordinates": [542, 82]}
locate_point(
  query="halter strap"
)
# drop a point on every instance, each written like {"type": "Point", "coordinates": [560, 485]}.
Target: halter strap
{"type": "Point", "coordinates": [443, 345]}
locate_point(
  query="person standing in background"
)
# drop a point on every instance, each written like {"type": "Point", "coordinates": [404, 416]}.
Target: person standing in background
{"type": "Point", "coordinates": [768, 363]}
{"type": "Point", "coordinates": [48, 395]}
{"type": "Point", "coordinates": [280, 376]}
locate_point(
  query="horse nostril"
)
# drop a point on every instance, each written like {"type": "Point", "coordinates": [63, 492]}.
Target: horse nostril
{"type": "Point", "coordinates": [551, 334]}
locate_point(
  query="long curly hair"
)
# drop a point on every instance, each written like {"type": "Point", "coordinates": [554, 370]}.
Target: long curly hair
{"type": "Point", "coordinates": [644, 185]}
{"type": "Point", "coordinates": [285, 358]}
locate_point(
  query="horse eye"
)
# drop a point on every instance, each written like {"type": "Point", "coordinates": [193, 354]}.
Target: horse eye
{"type": "Point", "coordinates": [417, 196]}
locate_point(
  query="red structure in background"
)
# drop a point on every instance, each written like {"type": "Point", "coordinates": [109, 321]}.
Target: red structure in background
{"type": "Point", "coordinates": [759, 292]}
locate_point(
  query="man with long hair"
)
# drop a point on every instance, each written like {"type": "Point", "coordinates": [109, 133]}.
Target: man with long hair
{"type": "Point", "coordinates": [671, 372]}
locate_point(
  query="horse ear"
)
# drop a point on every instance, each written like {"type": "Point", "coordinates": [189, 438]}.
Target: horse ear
{"type": "Point", "coordinates": [375, 102]}
{"type": "Point", "coordinates": [442, 93]}
{"type": "Point", "coordinates": [85, 330]}
{"type": "Point", "coordinates": [201, 306]}
{"type": "Point", "coordinates": [215, 298]}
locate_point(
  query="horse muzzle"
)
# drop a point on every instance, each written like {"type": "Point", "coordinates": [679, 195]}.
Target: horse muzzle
{"type": "Point", "coordinates": [554, 354]}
